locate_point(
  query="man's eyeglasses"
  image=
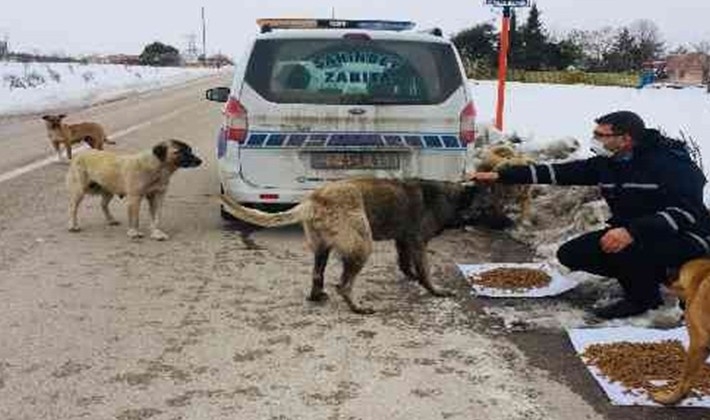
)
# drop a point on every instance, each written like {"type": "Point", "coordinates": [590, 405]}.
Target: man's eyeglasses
{"type": "Point", "coordinates": [598, 135]}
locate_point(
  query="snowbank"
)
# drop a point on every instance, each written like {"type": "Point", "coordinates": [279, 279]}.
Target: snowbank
{"type": "Point", "coordinates": [36, 87]}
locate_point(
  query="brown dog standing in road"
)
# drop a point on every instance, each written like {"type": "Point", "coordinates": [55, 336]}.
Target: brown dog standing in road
{"type": "Point", "coordinates": [347, 216]}
{"type": "Point", "coordinates": [60, 133]}
{"type": "Point", "coordinates": [693, 287]}
{"type": "Point", "coordinates": [142, 175]}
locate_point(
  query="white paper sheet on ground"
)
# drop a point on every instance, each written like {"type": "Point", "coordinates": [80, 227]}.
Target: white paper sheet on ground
{"type": "Point", "coordinates": [558, 283]}
{"type": "Point", "coordinates": [583, 337]}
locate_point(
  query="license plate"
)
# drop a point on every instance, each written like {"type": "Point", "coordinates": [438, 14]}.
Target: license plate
{"type": "Point", "coordinates": [355, 160]}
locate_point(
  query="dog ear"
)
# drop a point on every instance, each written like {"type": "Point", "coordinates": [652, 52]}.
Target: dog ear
{"type": "Point", "coordinates": [161, 151]}
{"type": "Point", "coordinates": [61, 116]}
{"type": "Point", "coordinates": [46, 117]}
{"type": "Point", "coordinates": [179, 144]}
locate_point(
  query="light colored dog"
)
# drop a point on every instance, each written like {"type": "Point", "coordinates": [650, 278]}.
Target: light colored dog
{"type": "Point", "coordinates": [145, 174]}
{"type": "Point", "coordinates": [347, 216]}
{"type": "Point", "coordinates": [60, 133]}
{"type": "Point", "coordinates": [500, 156]}
{"type": "Point", "coordinates": [692, 286]}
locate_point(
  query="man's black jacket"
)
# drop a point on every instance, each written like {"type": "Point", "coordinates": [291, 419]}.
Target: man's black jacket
{"type": "Point", "coordinates": [658, 191]}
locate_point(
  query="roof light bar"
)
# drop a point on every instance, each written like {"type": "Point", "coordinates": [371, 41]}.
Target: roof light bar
{"type": "Point", "coordinates": [377, 25]}
{"type": "Point", "coordinates": [508, 3]}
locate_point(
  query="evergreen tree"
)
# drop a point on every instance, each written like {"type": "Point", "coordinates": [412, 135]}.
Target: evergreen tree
{"type": "Point", "coordinates": [624, 54]}
{"type": "Point", "coordinates": [516, 53]}
{"type": "Point", "coordinates": [534, 41]}
{"type": "Point", "coordinates": [477, 45]}
{"type": "Point", "coordinates": [159, 54]}
{"type": "Point", "coordinates": [562, 54]}
{"type": "Point", "coordinates": [648, 39]}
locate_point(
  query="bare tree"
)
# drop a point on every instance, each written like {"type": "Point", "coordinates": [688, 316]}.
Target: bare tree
{"type": "Point", "coordinates": [694, 149]}
{"type": "Point", "coordinates": [678, 50]}
{"type": "Point", "coordinates": [649, 38]}
{"type": "Point", "coordinates": [595, 44]}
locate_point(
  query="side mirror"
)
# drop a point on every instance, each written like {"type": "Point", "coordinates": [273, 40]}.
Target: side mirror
{"type": "Point", "coordinates": [218, 94]}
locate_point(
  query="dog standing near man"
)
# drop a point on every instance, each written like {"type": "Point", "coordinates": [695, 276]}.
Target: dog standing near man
{"type": "Point", "coordinates": [692, 286]}
{"type": "Point", "coordinates": [142, 175]}
{"type": "Point", "coordinates": [347, 216]}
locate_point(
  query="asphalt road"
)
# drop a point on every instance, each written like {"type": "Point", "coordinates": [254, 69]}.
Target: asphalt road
{"type": "Point", "coordinates": [214, 325]}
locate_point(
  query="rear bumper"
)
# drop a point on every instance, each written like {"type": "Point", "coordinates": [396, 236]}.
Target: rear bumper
{"type": "Point", "coordinates": [243, 192]}
{"type": "Point", "coordinates": [256, 177]}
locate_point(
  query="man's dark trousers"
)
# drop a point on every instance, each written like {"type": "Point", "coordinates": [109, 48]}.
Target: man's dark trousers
{"type": "Point", "coordinates": [640, 268]}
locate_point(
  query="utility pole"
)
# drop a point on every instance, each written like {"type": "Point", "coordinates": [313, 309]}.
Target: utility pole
{"type": "Point", "coordinates": [204, 38]}
{"type": "Point", "coordinates": [193, 54]}
{"type": "Point", "coordinates": [502, 65]}
{"type": "Point", "coordinates": [332, 12]}
{"type": "Point", "coordinates": [507, 6]}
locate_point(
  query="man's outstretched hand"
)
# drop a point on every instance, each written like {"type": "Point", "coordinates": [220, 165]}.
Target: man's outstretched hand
{"type": "Point", "coordinates": [483, 177]}
{"type": "Point", "coordinates": [616, 240]}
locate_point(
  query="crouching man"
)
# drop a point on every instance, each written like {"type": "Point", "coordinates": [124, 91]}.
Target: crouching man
{"type": "Point", "coordinates": [655, 194]}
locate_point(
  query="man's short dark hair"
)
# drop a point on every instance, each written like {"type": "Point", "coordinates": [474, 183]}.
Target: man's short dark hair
{"type": "Point", "coordinates": [624, 122]}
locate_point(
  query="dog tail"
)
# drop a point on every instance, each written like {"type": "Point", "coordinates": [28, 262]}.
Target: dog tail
{"type": "Point", "coordinates": [264, 219]}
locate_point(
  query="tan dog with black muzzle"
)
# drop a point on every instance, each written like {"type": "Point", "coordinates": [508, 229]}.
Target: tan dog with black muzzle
{"type": "Point", "coordinates": [347, 216]}
{"type": "Point", "coordinates": [142, 175]}
{"type": "Point", "coordinates": [60, 133]}
{"type": "Point", "coordinates": [692, 286]}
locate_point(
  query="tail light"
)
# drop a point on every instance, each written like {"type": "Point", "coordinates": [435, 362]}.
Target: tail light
{"type": "Point", "coordinates": [467, 132]}
{"type": "Point", "coordinates": [236, 122]}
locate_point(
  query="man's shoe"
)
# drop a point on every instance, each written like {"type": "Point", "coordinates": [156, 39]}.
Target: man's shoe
{"type": "Point", "coordinates": [623, 308]}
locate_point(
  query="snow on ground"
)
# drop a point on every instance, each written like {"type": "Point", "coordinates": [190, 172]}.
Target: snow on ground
{"type": "Point", "coordinates": [544, 112]}
{"type": "Point", "coordinates": [37, 87]}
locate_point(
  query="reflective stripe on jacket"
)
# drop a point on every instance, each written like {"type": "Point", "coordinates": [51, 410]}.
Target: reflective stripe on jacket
{"type": "Point", "coordinates": [658, 191]}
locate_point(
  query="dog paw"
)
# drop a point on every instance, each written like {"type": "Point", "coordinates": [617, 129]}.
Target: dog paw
{"type": "Point", "coordinates": [159, 235]}
{"type": "Point", "coordinates": [363, 310]}
{"type": "Point", "coordinates": [444, 293]}
{"type": "Point", "coordinates": [134, 234]}
{"type": "Point", "coordinates": [318, 296]}
{"type": "Point", "coordinates": [74, 229]}
{"type": "Point", "coordinates": [113, 222]}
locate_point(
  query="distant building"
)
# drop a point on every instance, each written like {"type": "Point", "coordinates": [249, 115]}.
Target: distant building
{"type": "Point", "coordinates": [688, 69]}
{"type": "Point", "coordinates": [95, 59]}
{"type": "Point", "coordinates": [123, 59]}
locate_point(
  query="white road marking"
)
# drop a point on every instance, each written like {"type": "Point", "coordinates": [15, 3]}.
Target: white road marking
{"type": "Point", "coordinates": [52, 159]}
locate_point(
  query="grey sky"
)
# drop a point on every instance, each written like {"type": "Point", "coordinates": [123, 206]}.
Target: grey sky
{"type": "Point", "coordinates": [91, 26]}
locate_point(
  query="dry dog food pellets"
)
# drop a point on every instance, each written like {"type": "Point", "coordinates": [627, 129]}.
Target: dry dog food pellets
{"type": "Point", "coordinates": [636, 365]}
{"type": "Point", "coordinates": [511, 278]}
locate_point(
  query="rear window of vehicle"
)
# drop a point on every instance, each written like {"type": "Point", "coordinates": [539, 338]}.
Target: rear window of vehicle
{"type": "Point", "coordinates": [353, 71]}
